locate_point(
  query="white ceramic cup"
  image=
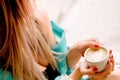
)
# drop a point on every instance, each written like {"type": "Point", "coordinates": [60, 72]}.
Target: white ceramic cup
{"type": "Point", "coordinates": [97, 57]}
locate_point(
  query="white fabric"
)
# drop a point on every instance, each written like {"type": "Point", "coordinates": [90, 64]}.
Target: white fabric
{"type": "Point", "coordinates": [65, 77]}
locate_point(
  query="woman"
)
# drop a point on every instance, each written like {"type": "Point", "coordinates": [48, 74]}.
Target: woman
{"type": "Point", "coordinates": [29, 51]}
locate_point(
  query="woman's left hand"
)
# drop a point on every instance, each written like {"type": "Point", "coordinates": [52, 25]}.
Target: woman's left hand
{"type": "Point", "coordinates": [80, 47]}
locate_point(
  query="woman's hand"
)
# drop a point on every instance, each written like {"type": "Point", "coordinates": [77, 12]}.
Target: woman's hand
{"type": "Point", "coordinates": [78, 50]}
{"type": "Point", "coordinates": [76, 74]}
{"type": "Point", "coordinates": [80, 47]}
{"type": "Point", "coordinates": [86, 70]}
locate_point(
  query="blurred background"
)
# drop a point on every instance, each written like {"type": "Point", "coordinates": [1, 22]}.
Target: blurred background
{"type": "Point", "coordinates": [82, 19]}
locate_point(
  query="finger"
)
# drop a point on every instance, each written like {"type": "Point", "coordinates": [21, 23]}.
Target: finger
{"type": "Point", "coordinates": [85, 69]}
{"type": "Point", "coordinates": [105, 72]}
{"type": "Point", "coordinates": [111, 58]}
{"type": "Point", "coordinates": [95, 40]}
{"type": "Point", "coordinates": [94, 43]}
{"type": "Point", "coordinates": [91, 43]}
{"type": "Point", "coordinates": [108, 69]}
{"type": "Point", "coordinates": [110, 51]}
{"type": "Point", "coordinates": [112, 61]}
{"type": "Point", "coordinates": [88, 71]}
{"type": "Point", "coordinates": [82, 46]}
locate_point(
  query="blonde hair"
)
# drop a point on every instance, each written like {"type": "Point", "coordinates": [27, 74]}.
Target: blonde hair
{"type": "Point", "coordinates": [21, 42]}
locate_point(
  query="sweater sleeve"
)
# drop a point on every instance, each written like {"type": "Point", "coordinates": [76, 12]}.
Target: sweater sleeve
{"type": "Point", "coordinates": [61, 48]}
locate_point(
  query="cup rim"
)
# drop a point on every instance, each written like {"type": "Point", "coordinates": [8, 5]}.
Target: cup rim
{"type": "Point", "coordinates": [99, 60]}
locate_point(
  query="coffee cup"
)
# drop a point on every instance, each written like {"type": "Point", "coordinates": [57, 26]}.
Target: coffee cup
{"type": "Point", "coordinates": [97, 57]}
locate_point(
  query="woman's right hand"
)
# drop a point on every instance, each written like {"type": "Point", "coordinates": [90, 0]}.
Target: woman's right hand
{"type": "Point", "coordinates": [86, 70]}
{"type": "Point", "coordinates": [76, 74]}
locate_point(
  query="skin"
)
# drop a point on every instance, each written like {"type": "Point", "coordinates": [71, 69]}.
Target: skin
{"type": "Point", "coordinates": [109, 70]}
{"type": "Point", "coordinates": [46, 28]}
{"type": "Point", "coordinates": [75, 52]}
{"type": "Point", "coordinates": [78, 49]}
{"type": "Point", "coordinates": [115, 75]}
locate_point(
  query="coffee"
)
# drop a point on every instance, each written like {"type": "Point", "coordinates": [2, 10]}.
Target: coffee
{"type": "Point", "coordinates": [96, 55]}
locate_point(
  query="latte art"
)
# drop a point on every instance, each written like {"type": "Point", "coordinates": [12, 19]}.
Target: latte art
{"type": "Point", "coordinates": [96, 55]}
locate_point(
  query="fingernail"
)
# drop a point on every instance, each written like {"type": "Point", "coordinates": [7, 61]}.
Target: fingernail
{"type": "Point", "coordinates": [95, 69]}
{"type": "Point", "coordinates": [110, 51]}
{"type": "Point", "coordinates": [96, 45]}
{"type": "Point", "coordinates": [111, 60]}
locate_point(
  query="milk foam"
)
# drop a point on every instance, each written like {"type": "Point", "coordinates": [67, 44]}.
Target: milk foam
{"type": "Point", "coordinates": [96, 54]}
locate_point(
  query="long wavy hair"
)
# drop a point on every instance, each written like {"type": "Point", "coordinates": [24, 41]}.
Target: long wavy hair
{"type": "Point", "coordinates": [21, 42]}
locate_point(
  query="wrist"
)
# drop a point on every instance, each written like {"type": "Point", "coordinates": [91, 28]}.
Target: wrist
{"type": "Point", "coordinates": [76, 74]}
